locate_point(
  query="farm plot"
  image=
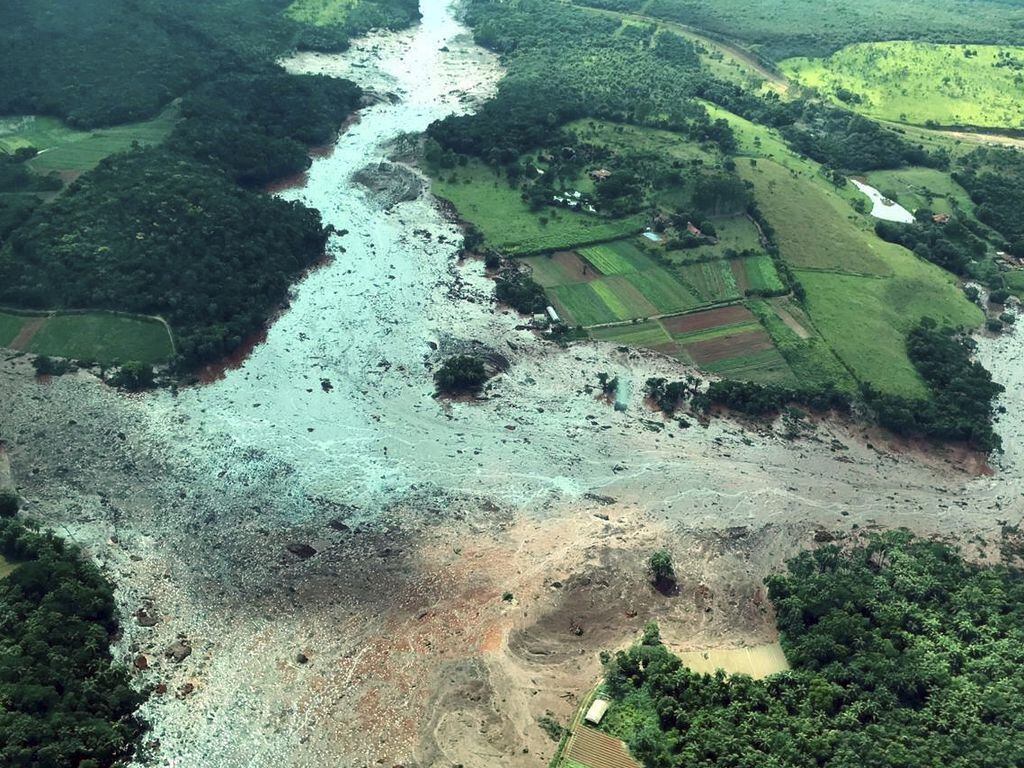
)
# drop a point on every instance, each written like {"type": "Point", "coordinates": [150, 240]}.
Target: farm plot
{"type": "Point", "coordinates": [730, 342]}
{"type": "Point", "coordinates": [591, 748]}
{"type": "Point", "coordinates": [617, 258]}
{"type": "Point", "coordinates": [756, 274]}
{"type": "Point", "coordinates": [10, 327]}
{"type": "Point", "coordinates": [608, 300]}
{"type": "Point", "coordinates": [714, 281]}
{"type": "Point", "coordinates": [757, 661]}
{"type": "Point", "coordinates": [561, 268]}
{"type": "Point", "coordinates": [650, 335]}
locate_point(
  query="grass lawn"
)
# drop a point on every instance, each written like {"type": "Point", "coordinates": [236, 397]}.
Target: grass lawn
{"type": "Point", "coordinates": [10, 326]}
{"type": "Point", "coordinates": [64, 149]}
{"type": "Point", "coordinates": [7, 567]}
{"type": "Point", "coordinates": [1015, 283]}
{"type": "Point", "coordinates": [102, 337]}
{"type": "Point", "coordinates": [915, 188]}
{"type": "Point", "coordinates": [508, 224]}
{"type": "Point", "coordinates": [814, 226]}
{"type": "Point", "coordinates": [912, 82]}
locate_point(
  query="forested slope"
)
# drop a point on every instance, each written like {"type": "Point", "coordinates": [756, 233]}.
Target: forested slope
{"type": "Point", "coordinates": [903, 655]}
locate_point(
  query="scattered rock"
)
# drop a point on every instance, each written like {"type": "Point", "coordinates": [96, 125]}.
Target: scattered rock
{"type": "Point", "coordinates": [301, 550]}
{"type": "Point", "coordinates": [301, 658]}
{"type": "Point", "coordinates": [141, 662]}
{"type": "Point", "coordinates": [185, 690]}
{"type": "Point", "coordinates": [178, 651]}
{"type": "Point", "coordinates": [145, 619]}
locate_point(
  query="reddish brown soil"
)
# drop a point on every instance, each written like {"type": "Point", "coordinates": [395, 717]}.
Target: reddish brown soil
{"type": "Point", "coordinates": [712, 318]}
{"type": "Point", "coordinates": [576, 266]}
{"type": "Point", "coordinates": [28, 330]}
{"type": "Point", "coordinates": [731, 345]}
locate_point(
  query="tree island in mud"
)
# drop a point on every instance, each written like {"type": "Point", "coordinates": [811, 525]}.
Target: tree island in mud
{"type": "Point", "coordinates": [510, 383]}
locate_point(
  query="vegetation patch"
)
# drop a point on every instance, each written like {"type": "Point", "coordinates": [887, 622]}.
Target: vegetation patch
{"type": "Point", "coordinates": [617, 258]}
{"type": "Point", "coordinates": [508, 224]}
{"type": "Point", "coordinates": [649, 334]}
{"type": "Point", "coordinates": [101, 337]}
{"type": "Point", "coordinates": [756, 275]}
{"type": "Point", "coordinates": [922, 83]}
{"type": "Point", "coordinates": [65, 149]}
{"type": "Point", "coordinates": [713, 280]}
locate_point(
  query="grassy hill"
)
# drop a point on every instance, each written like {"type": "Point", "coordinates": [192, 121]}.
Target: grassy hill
{"type": "Point", "coordinates": [921, 83]}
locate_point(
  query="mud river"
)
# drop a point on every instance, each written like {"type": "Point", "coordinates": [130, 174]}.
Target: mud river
{"type": "Point", "coordinates": [334, 543]}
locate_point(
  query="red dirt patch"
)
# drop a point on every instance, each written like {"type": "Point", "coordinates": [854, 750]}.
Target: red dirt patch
{"type": "Point", "coordinates": [711, 318]}
{"type": "Point", "coordinates": [575, 265]}
{"type": "Point", "coordinates": [28, 330]}
{"type": "Point", "coordinates": [730, 345]}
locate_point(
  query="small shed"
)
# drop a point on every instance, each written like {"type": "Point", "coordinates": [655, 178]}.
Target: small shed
{"type": "Point", "coordinates": [600, 174]}
{"type": "Point", "coordinates": [553, 315]}
{"type": "Point", "coordinates": [596, 711]}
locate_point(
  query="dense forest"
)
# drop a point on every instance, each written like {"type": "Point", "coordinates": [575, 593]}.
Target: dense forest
{"type": "Point", "coordinates": [155, 233]}
{"type": "Point", "coordinates": [995, 180]}
{"type": "Point", "coordinates": [902, 655]}
{"type": "Point", "coordinates": [64, 703]}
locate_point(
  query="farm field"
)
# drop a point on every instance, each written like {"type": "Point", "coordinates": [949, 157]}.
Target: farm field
{"type": "Point", "coordinates": [714, 281]}
{"type": "Point", "coordinates": [921, 83]}
{"type": "Point", "coordinates": [756, 661]}
{"type": "Point", "coordinates": [756, 273]}
{"type": "Point", "coordinates": [649, 335]}
{"type": "Point", "coordinates": [608, 283]}
{"type": "Point", "coordinates": [915, 188]}
{"type": "Point", "coordinates": [102, 337]}
{"type": "Point", "coordinates": [65, 149]}
{"type": "Point", "coordinates": [508, 224]}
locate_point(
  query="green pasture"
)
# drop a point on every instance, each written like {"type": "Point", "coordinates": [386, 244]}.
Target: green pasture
{"type": "Point", "coordinates": [713, 280]}
{"type": "Point", "coordinates": [922, 83]}
{"type": "Point", "coordinates": [65, 149]}
{"type": "Point", "coordinates": [815, 227]}
{"type": "Point", "coordinates": [101, 337]}
{"type": "Point", "coordinates": [1015, 283]}
{"type": "Point", "coordinates": [321, 13]}
{"type": "Point", "coordinates": [7, 567]}
{"type": "Point", "coordinates": [622, 137]}
{"type": "Point", "coordinates": [507, 223]}
{"type": "Point", "coordinates": [812, 361]}
{"type": "Point", "coordinates": [865, 319]}
{"type": "Point", "coordinates": [916, 187]}
{"type": "Point", "coordinates": [622, 297]}
{"type": "Point", "coordinates": [646, 334]}
{"type": "Point", "coordinates": [10, 326]}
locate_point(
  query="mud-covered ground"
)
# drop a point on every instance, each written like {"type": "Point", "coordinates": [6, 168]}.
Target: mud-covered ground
{"type": "Point", "coordinates": [347, 571]}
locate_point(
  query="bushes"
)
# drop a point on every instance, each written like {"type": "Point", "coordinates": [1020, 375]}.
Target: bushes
{"type": "Point", "coordinates": [9, 503]}
{"type": "Point", "coordinates": [520, 292]}
{"type": "Point", "coordinates": [461, 374]}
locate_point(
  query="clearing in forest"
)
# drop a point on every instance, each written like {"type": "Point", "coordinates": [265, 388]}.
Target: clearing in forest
{"type": "Point", "coordinates": [922, 83]}
{"type": "Point", "coordinates": [97, 336]}
{"type": "Point", "coordinates": [65, 149]}
{"type": "Point", "coordinates": [757, 661]}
